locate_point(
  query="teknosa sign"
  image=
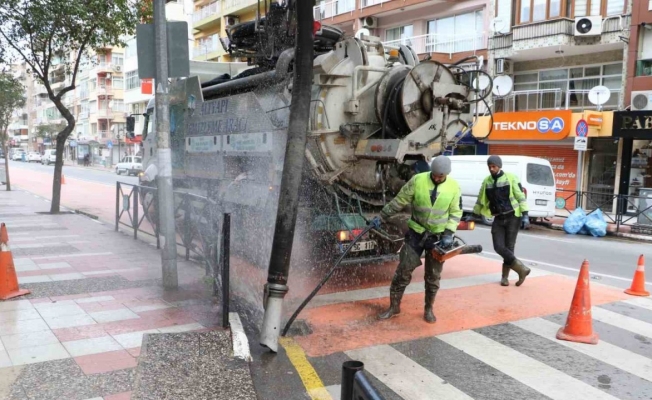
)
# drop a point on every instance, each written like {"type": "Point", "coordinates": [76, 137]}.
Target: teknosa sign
{"type": "Point", "coordinates": [531, 125]}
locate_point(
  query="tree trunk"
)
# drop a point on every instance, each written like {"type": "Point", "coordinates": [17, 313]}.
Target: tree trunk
{"type": "Point", "coordinates": [56, 182]}
{"type": "Point", "coordinates": [4, 148]}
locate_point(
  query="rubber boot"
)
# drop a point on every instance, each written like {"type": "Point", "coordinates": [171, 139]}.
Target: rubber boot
{"type": "Point", "coordinates": [521, 270]}
{"type": "Point", "coordinates": [428, 315]}
{"type": "Point", "coordinates": [394, 306]}
{"type": "Point", "coordinates": [504, 281]}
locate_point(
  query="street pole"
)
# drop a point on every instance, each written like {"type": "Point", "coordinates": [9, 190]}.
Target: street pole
{"type": "Point", "coordinates": [286, 217]}
{"type": "Point", "coordinates": [164, 178]}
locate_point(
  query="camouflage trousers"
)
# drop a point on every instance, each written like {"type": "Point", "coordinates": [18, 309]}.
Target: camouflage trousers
{"type": "Point", "coordinates": [410, 259]}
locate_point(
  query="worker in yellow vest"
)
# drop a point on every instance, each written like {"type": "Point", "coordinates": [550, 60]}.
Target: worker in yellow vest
{"type": "Point", "coordinates": [502, 197]}
{"type": "Point", "coordinates": [436, 212]}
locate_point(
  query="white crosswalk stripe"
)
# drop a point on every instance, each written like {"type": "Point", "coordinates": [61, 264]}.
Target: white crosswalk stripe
{"type": "Point", "coordinates": [606, 352]}
{"type": "Point", "coordinates": [622, 321]}
{"type": "Point", "coordinates": [539, 376]}
{"type": "Point", "coordinates": [404, 376]}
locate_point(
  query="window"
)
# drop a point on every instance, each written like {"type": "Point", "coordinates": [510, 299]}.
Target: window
{"type": "Point", "coordinates": [132, 80]}
{"type": "Point", "coordinates": [92, 106]}
{"type": "Point", "coordinates": [599, 7]}
{"type": "Point", "coordinates": [92, 84]}
{"type": "Point", "coordinates": [118, 83]}
{"type": "Point", "coordinates": [400, 35]}
{"type": "Point", "coordinates": [462, 32]}
{"type": "Point", "coordinates": [644, 56]}
{"type": "Point", "coordinates": [117, 59]}
{"type": "Point", "coordinates": [562, 88]}
{"type": "Point", "coordinates": [118, 106]}
{"type": "Point", "coordinates": [537, 174]}
{"type": "Point", "coordinates": [131, 50]}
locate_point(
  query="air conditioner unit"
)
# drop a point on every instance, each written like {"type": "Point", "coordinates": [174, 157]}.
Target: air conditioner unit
{"type": "Point", "coordinates": [588, 26]}
{"type": "Point", "coordinates": [117, 68]}
{"type": "Point", "coordinates": [642, 100]}
{"type": "Point", "coordinates": [503, 66]}
{"type": "Point", "coordinates": [231, 20]}
{"type": "Point", "coordinates": [369, 22]}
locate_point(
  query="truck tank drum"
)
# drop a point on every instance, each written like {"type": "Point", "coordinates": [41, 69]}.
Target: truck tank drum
{"type": "Point", "coordinates": [370, 115]}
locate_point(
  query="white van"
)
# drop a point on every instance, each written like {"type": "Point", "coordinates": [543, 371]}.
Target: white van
{"type": "Point", "coordinates": [49, 157]}
{"type": "Point", "coordinates": [535, 175]}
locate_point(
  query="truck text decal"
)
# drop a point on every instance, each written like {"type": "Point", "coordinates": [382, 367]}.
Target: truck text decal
{"type": "Point", "coordinates": [226, 125]}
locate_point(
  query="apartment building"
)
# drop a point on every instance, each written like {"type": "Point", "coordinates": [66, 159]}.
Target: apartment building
{"type": "Point", "coordinates": [210, 20]}
{"type": "Point", "coordinates": [19, 126]}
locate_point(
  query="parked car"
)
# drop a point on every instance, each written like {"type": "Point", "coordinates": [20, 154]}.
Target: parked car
{"type": "Point", "coordinates": [535, 175]}
{"type": "Point", "coordinates": [131, 165]}
{"type": "Point", "coordinates": [18, 155]}
{"type": "Point", "coordinates": [33, 156]}
{"type": "Point", "coordinates": [49, 157]}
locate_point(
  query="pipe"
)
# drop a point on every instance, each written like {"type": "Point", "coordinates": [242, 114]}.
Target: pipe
{"type": "Point", "coordinates": [280, 72]}
{"type": "Point", "coordinates": [286, 217]}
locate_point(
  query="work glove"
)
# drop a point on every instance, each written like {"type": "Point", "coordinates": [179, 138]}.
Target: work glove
{"type": "Point", "coordinates": [471, 218]}
{"type": "Point", "coordinates": [447, 240]}
{"type": "Point", "coordinates": [525, 222]}
{"type": "Point", "coordinates": [376, 221]}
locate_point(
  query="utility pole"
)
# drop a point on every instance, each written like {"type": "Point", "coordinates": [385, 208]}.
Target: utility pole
{"type": "Point", "coordinates": [286, 217]}
{"type": "Point", "coordinates": [164, 178]}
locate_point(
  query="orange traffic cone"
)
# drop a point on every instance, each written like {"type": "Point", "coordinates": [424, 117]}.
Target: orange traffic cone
{"type": "Point", "coordinates": [8, 280]}
{"type": "Point", "coordinates": [638, 284]}
{"type": "Point", "coordinates": [579, 324]}
{"type": "Point", "coordinates": [63, 179]}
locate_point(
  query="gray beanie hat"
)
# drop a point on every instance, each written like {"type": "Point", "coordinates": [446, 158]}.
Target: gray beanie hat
{"type": "Point", "coordinates": [495, 160]}
{"type": "Point", "coordinates": [441, 165]}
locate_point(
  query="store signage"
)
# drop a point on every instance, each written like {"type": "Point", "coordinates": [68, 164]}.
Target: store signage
{"type": "Point", "coordinates": [593, 118]}
{"type": "Point", "coordinates": [531, 125]}
{"type": "Point", "coordinates": [633, 124]}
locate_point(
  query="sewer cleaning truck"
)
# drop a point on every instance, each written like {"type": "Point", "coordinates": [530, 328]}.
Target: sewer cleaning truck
{"type": "Point", "coordinates": [375, 111]}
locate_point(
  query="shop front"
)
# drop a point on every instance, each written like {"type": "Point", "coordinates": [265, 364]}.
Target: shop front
{"type": "Point", "coordinates": [634, 130]}
{"type": "Point", "coordinates": [551, 135]}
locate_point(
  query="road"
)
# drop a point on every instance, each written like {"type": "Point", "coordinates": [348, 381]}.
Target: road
{"type": "Point", "coordinates": [77, 172]}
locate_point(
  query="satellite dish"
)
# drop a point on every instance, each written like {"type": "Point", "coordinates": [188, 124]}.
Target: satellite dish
{"type": "Point", "coordinates": [497, 25]}
{"type": "Point", "coordinates": [599, 95]}
{"type": "Point", "coordinates": [502, 85]}
{"type": "Point", "coordinates": [481, 82]}
{"type": "Point", "coordinates": [363, 31]}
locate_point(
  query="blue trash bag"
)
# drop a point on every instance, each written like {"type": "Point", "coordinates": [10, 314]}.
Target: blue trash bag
{"type": "Point", "coordinates": [596, 224]}
{"type": "Point", "coordinates": [584, 231]}
{"type": "Point", "coordinates": [575, 221]}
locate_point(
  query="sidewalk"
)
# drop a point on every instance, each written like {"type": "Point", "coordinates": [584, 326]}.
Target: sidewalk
{"type": "Point", "coordinates": [557, 223]}
{"type": "Point", "coordinates": [69, 163]}
{"type": "Point", "coordinates": [95, 294]}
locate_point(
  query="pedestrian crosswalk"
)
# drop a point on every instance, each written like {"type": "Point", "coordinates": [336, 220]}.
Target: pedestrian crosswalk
{"type": "Point", "coordinates": [521, 359]}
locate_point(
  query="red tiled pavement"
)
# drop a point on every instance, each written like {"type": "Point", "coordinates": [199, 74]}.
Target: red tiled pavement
{"type": "Point", "coordinates": [105, 362]}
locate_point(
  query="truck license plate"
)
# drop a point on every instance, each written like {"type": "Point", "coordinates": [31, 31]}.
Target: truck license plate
{"type": "Point", "coordinates": [361, 246]}
{"type": "Point", "coordinates": [541, 202]}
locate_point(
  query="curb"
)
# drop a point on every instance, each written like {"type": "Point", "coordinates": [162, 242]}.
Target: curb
{"type": "Point", "coordinates": [640, 238]}
{"type": "Point", "coordinates": [239, 338]}
{"type": "Point", "coordinates": [89, 215]}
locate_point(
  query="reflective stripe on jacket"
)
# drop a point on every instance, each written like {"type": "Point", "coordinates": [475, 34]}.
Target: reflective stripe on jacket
{"type": "Point", "coordinates": [444, 214]}
{"type": "Point", "coordinates": [501, 195]}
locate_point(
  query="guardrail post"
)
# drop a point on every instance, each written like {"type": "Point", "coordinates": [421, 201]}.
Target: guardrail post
{"type": "Point", "coordinates": [117, 205]}
{"type": "Point", "coordinates": [186, 226]}
{"type": "Point", "coordinates": [135, 221]}
{"type": "Point", "coordinates": [226, 243]}
{"type": "Point", "coordinates": [349, 369]}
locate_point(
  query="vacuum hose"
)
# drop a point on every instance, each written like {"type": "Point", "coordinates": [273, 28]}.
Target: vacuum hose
{"type": "Point", "coordinates": [325, 279]}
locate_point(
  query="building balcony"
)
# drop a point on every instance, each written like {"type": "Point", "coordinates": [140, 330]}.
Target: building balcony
{"type": "Point", "coordinates": [552, 99]}
{"type": "Point", "coordinates": [104, 91]}
{"type": "Point", "coordinates": [102, 68]}
{"type": "Point", "coordinates": [83, 115]}
{"type": "Point", "coordinates": [207, 17]}
{"type": "Point", "coordinates": [105, 113]}
{"type": "Point", "coordinates": [446, 44]}
{"type": "Point", "coordinates": [237, 6]}
{"type": "Point", "coordinates": [333, 8]}
{"type": "Point", "coordinates": [208, 48]}
{"type": "Point", "coordinates": [542, 39]}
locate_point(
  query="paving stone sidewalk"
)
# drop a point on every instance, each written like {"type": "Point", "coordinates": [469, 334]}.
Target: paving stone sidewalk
{"type": "Point", "coordinates": [94, 294]}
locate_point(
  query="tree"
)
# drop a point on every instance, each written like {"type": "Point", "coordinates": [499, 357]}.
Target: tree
{"type": "Point", "coordinates": [11, 99]}
{"type": "Point", "coordinates": [49, 130]}
{"type": "Point", "coordinates": [53, 34]}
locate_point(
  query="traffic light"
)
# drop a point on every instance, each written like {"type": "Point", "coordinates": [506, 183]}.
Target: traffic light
{"type": "Point", "coordinates": [131, 127]}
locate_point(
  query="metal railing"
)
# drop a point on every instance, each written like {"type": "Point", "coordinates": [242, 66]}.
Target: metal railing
{"type": "Point", "coordinates": [197, 223]}
{"type": "Point", "coordinates": [551, 99]}
{"type": "Point", "coordinates": [205, 12]}
{"type": "Point", "coordinates": [355, 385]}
{"type": "Point", "coordinates": [433, 43]}
{"type": "Point", "coordinates": [208, 45]}
{"type": "Point", "coordinates": [333, 8]}
{"type": "Point", "coordinates": [369, 3]}
{"type": "Point", "coordinates": [628, 207]}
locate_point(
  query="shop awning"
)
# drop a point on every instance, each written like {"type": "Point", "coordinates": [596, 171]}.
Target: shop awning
{"type": "Point", "coordinates": [136, 140]}
{"type": "Point", "coordinates": [548, 125]}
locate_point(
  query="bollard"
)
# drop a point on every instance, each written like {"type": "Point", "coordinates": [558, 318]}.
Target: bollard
{"type": "Point", "coordinates": [349, 369]}
{"type": "Point", "coordinates": [226, 242]}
